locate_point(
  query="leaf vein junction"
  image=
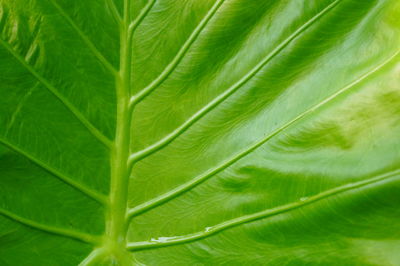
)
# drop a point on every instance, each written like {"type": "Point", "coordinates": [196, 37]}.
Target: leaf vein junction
{"type": "Point", "coordinates": [209, 231]}
{"type": "Point", "coordinates": [203, 177]}
{"type": "Point", "coordinates": [178, 58]}
{"type": "Point", "coordinates": [214, 103]}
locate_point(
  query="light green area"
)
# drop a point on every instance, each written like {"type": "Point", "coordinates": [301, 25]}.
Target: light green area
{"type": "Point", "coordinates": [199, 132]}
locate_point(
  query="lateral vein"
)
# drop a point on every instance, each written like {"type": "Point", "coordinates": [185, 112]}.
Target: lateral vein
{"type": "Point", "coordinates": [114, 11]}
{"type": "Point", "coordinates": [205, 176]}
{"type": "Point", "coordinates": [92, 257]}
{"type": "Point", "coordinates": [87, 238]}
{"type": "Point", "coordinates": [85, 190]}
{"type": "Point", "coordinates": [86, 40]}
{"type": "Point", "coordinates": [209, 231]}
{"type": "Point", "coordinates": [219, 99]}
{"type": "Point", "coordinates": [180, 55]}
{"type": "Point", "coordinates": [82, 119]}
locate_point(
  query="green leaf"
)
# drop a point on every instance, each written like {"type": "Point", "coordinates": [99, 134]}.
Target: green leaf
{"type": "Point", "coordinates": [199, 132]}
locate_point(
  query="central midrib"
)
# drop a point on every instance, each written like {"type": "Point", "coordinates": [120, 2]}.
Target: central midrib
{"type": "Point", "coordinates": [116, 222]}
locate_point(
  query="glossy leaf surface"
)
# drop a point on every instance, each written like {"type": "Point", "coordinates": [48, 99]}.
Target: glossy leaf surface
{"type": "Point", "coordinates": [199, 132]}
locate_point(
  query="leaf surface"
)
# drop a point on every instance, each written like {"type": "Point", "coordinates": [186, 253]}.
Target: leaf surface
{"type": "Point", "coordinates": [188, 132]}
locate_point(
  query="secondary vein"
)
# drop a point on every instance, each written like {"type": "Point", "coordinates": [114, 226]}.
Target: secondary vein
{"type": "Point", "coordinates": [214, 103]}
{"type": "Point", "coordinates": [85, 190]}
{"type": "Point", "coordinates": [92, 257]}
{"type": "Point", "coordinates": [143, 14]}
{"type": "Point", "coordinates": [114, 11]}
{"type": "Point", "coordinates": [209, 231]}
{"type": "Point", "coordinates": [84, 237]}
{"type": "Point", "coordinates": [18, 108]}
{"type": "Point", "coordinates": [86, 40]}
{"type": "Point", "coordinates": [203, 177]}
{"type": "Point", "coordinates": [178, 58]}
{"type": "Point", "coordinates": [82, 119]}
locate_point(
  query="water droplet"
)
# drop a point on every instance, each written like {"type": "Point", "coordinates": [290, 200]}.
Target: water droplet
{"type": "Point", "coordinates": [303, 198]}
{"type": "Point", "coordinates": [163, 239]}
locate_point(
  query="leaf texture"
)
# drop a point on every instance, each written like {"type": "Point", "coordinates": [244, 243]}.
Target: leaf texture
{"type": "Point", "coordinates": [188, 132]}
